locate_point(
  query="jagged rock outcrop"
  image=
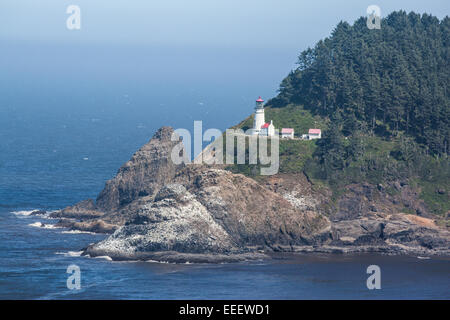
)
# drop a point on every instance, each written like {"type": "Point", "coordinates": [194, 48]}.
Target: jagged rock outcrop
{"type": "Point", "coordinates": [252, 214]}
{"type": "Point", "coordinates": [82, 210]}
{"type": "Point", "coordinates": [157, 210]}
{"type": "Point", "coordinates": [385, 233]}
{"type": "Point", "coordinates": [144, 174]}
{"type": "Point", "coordinates": [176, 223]}
{"type": "Point", "coordinates": [359, 200]}
{"type": "Point", "coordinates": [148, 170]}
{"type": "Point", "coordinates": [211, 211]}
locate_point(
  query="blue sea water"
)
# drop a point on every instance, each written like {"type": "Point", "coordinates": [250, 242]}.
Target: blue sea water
{"type": "Point", "coordinates": [70, 116]}
{"type": "Point", "coordinates": [34, 262]}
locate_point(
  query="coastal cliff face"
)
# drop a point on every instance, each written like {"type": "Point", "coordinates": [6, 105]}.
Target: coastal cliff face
{"type": "Point", "coordinates": [156, 210]}
{"type": "Point", "coordinates": [175, 222]}
{"type": "Point", "coordinates": [365, 218]}
{"type": "Point", "coordinates": [147, 170]}
{"type": "Point", "coordinates": [213, 212]}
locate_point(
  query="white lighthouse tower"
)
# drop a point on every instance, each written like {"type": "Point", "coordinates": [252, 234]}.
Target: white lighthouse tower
{"type": "Point", "coordinates": [258, 121]}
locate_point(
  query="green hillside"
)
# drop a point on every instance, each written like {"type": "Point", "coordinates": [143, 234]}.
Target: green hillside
{"type": "Point", "coordinates": [381, 98]}
{"type": "Point", "coordinates": [383, 81]}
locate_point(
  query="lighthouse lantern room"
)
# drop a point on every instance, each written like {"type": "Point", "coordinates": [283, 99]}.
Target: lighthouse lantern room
{"type": "Point", "coordinates": [259, 120]}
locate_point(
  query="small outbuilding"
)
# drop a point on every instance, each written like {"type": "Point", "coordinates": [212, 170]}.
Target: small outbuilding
{"type": "Point", "coordinates": [268, 129]}
{"type": "Point", "coordinates": [314, 134]}
{"type": "Point", "coordinates": [287, 133]}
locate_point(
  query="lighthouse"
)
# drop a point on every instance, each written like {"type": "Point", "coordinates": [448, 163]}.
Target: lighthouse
{"type": "Point", "coordinates": [259, 120]}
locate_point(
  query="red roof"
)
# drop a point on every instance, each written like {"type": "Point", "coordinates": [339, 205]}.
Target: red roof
{"type": "Point", "coordinates": [260, 99]}
{"type": "Point", "coordinates": [314, 131]}
{"type": "Point", "coordinates": [287, 130]}
{"type": "Point", "coordinates": [265, 125]}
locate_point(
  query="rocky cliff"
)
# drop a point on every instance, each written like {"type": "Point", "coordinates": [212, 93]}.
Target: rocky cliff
{"type": "Point", "coordinates": [209, 215]}
{"type": "Point", "coordinates": [157, 210]}
{"type": "Point", "coordinates": [142, 176]}
{"type": "Point", "coordinates": [147, 170]}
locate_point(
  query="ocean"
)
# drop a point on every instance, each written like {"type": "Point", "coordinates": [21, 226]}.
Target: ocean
{"type": "Point", "coordinates": [71, 116]}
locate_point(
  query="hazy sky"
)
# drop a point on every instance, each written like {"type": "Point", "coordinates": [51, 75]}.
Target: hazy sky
{"type": "Point", "coordinates": [141, 64]}
{"type": "Point", "coordinates": [235, 23]}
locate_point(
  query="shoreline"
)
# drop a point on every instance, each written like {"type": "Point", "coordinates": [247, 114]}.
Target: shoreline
{"type": "Point", "coordinates": [214, 259]}
{"type": "Point", "coordinates": [245, 255]}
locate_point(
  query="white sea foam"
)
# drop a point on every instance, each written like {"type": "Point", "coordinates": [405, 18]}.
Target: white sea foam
{"type": "Point", "coordinates": [35, 224]}
{"type": "Point", "coordinates": [70, 253]}
{"type": "Point", "coordinates": [156, 261]}
{"type": "Point", "coordinates": [23, 213]}
{"type": "Point", "coordinates": [47, 215]}
{"type": "Point", "coordinates": [77, 232]}
{"type": "Point", "coordinates": [49, 226]}
{"type": "Point", "coordinates": [29, 212]}
{"type": "Point", "coordinates": [43, 225]}
{"type": "Point", "coordinates": [167, 262]}
{"type": "Point", "coordinates": [104, 257]}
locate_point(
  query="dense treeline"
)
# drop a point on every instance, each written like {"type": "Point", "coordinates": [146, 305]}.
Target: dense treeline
{"type": "Point", "coordinates": [387, 82]}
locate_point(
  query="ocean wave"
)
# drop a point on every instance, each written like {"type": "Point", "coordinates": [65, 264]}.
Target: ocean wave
{"type": "Point", "coordinates": [43, 225]}
{"type": "Point", "coordinates": [36, 224]}
{"type": "Point", "coordinates": [48, 213]}
{"type": "Point", "coordinates": [70, 253]}
{"type": "Point", "coordinates": [23, 213]}
{"type": "Point", "coordinates": [104, 257]}
{"type": "Point", "coordinates": [77, 232]}
{"type": "Point", "coordinates": [157, 261]}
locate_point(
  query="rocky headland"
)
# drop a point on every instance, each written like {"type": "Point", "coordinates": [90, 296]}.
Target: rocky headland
{"type": "Point", "coordinates": [154, 209]}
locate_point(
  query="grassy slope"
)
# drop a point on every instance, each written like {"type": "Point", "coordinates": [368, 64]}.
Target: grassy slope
{"type": "Point", "coordinates": [291, 116]}
{"type": "Point", "coordinates": [294, 154]}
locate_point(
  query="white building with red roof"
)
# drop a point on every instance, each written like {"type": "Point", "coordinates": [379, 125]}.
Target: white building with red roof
{"type": "Point", "coordinates": [260, 127]}
{"type": "Point", "coordinates": [268, 129]}
{"type": "Point", "coordinates": [263, 128]}
{"type": "Point", "coordinates": [258, 120]}
{"type": "Point", "coordinates": [314, 134]}
{"type": "Point", "coordinates": [287, 133]}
